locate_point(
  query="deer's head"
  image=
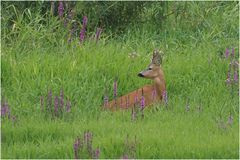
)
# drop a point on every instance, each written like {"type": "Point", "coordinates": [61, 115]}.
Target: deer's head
{"type": "Point", "coordinates": [154, 67]}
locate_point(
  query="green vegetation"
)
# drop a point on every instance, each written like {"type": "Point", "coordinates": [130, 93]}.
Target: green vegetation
{"type": "Point", "coordinates": [36, 57]}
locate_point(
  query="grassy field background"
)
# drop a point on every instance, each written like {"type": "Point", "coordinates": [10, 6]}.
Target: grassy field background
{"type": "Point", "coordinates": [196, 124]}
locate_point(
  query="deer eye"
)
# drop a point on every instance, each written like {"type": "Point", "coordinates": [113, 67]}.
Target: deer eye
{"type": "Point", "coordinates": [149, 68]}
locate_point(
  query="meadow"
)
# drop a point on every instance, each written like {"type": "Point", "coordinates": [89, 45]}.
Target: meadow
{"type": "Point", "coordinates": [201, 119]}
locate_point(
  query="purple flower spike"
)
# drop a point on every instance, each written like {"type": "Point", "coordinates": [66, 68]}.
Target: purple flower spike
{"type": "Point", "coordinates": [142, 104]}
{"type": "Point", "coordinates": [60, 9]}
{"type": "Point", "coordinates": [5, 110]}
{"type": "Point", "coordinates": [236, 76]}
{"type": "Point", "coordinates": [56, 105]}
{"type": "Point", "coordinates": [83, 30]}
{"type": "Point", "coordinates": [61, 99]}
{"type": "Point", "coordinates": [68, 106]}
{"type": "Point", "coordinates": [85, 21]}
{"type": "Point", "coordinates": [82, 34]}
{"type": "Point", "coordinates": [97, 153]}
{"type": "Point", "coordinates": [98, 33]}
{"type": "Point", "coordinates": [227, 53]}
{"type": "Point", "coordinates": [75, 148]}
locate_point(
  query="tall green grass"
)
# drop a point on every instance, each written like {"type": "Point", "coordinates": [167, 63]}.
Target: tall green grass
{"type": "Point", "coordinates": [34, 59]}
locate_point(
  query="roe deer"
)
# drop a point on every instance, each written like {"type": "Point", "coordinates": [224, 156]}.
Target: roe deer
{"type": "Point", "coordinates": [148, 94]}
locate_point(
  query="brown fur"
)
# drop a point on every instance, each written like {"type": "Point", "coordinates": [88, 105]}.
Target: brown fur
{"type": "Point", "coordinates": [153, 72]}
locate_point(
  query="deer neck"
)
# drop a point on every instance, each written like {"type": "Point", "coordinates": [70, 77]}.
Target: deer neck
{"type": "Point", "coordinates": [159, 84]}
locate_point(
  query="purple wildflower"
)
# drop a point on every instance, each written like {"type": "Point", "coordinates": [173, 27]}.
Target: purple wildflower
{"type": "Point", "coordinates": [76, 147]}
{"type": "Point", "coordinates": [82, 34]}
{"type": "Point", "coordinates": [227, 53]}
{"type": "Point", "coordinates": [232, 52]}
{"type": "Point", "coordinates": [60, 9]}
{"type": "Point", "coordinates": [97, 153]}
{"type": "Point", "coordinates": [98, 33]}
{"type": "Point", "coordinates": [41, 103]}
{"type": "Point", "coordinates": [165, 97]}
{"type": "Point", "coordinates": [5, 109]}
{"type": "Point", "coordinates": [84, 21]}
{"type": "Point", "coordinates": [142, 104]}
{"type": "Point", "coordinates": [83, 30]}
{"type": "Point", "coordinates": [56, 105]}
{"type": "Point", "coordinates": [68, 106]}
{"type": "Point", "coordinates": [236, 76]}
{"type": "Point", "coordinates": [61, 99]}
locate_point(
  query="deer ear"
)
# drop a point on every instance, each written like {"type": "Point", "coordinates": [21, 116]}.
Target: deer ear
{"type": "Point", "coordinates": [157, 57]}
